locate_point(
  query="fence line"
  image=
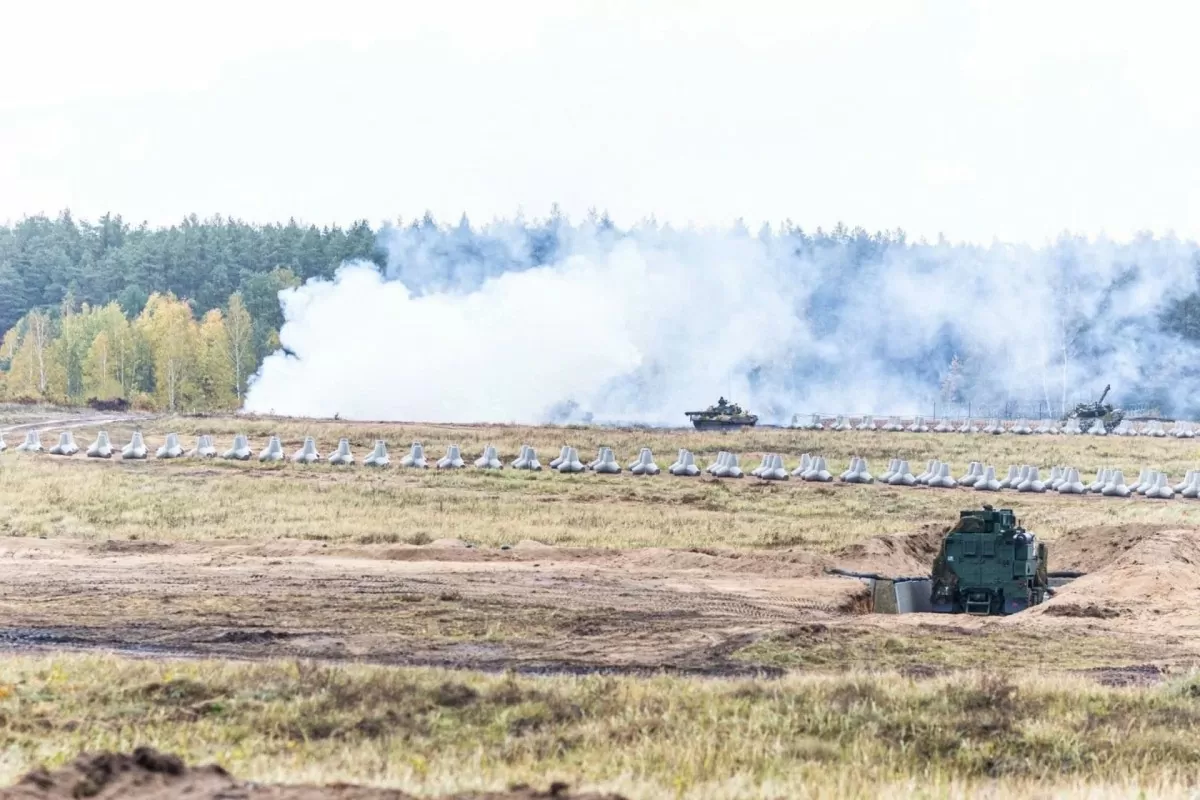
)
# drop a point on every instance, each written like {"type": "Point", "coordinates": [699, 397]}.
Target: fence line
{"type": "Point", "coordinates": [983, 411]}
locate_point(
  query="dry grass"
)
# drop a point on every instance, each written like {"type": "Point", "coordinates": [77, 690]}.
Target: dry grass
{"type": "Point", "coordinates": [424, 730]}
{"type": "Point", "coordinates": [936, 649]}
{"type": "Point", "coordinates": [807, 735]}
{"type": "Point", "coordinates": [182, 500]}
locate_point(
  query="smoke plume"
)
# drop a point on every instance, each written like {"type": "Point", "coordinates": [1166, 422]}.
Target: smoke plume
{"type": "Point", "coordinates": [549, 321]}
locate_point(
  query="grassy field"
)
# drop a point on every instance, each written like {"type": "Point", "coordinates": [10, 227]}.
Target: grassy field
{"type": "Point", "coordinates": [190, 500]}
{"type": "Point", "coordinates": [993, 710]}
{"type": "Point", "coordinates": [849, 735]}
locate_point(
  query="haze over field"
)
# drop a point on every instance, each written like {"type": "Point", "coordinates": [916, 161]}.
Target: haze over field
{"type": "Point", "coordinates": [573, 322]}
{"type": "Point", "coordinates": [986, 122]}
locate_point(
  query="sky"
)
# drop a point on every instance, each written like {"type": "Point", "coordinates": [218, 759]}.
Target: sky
{"type": "Point", "coordinates": [975, 120]}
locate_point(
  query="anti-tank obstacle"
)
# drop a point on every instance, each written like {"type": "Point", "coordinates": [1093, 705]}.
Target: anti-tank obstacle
{"type": "Point", "coordinates": [568, 462]}
{"type": "Point", "coordinates": [307, 454]}
{"type": "Point", "coordinates": [415, 458]}
{"type": "Point", "coordinates": [171, 448]}
{"type": "Point", "coordinates": [685, 465]}
{"type": "Point", "coordinates": [378, 457]}
{"type": "Point", "coordinates": [1025, 478]}
{"type": "Point", "coordinates": [32, 443]}
{"type": "Point", "coordinates": [527, 460]}
{"type": "Point", "coordinates": [272, 452]}
{"type": "Point", "coordinates": [489, 459]}
{"type": "Point", "coordinates": [645, 464]}
{"type": "Point", "coordinates": [771, 468]}
{"type": "Point", "coordinates": [804, 466]}
{"type": "Point", "coordinates": [817, 472]}
{"type": "Point", "coordinates": [452, 460]}
{"type": "Point", "coordinates": [204, 448]}
{"type": "Point", "coordinates": [856, 472]}
{"type": "Point", "coordinates": [136, 450]}
{"type": "Point", "coordinates": [987, 482]}
{"type": "Point", "coordinates": [342, 456]}
{"type": "Point", "coordinates": [726, 466]}
{"type": "Point", "coordinates": [101, 448]}
{"type": "Point", "coordinates": [606, 464]}
{"type": "Point", "coordinates": [240, 450]}
{"type": "Point", "coordinates": [66, 445]}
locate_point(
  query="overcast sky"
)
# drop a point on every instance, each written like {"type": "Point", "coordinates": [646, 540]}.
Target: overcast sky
{"type": "Point", "coordinates": [1010, 119]}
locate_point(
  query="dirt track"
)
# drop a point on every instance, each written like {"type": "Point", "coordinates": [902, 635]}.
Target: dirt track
{"type": "Point", "coordinates": [531, 607]}
{"type": "Point", "coordinates": [536, 608]}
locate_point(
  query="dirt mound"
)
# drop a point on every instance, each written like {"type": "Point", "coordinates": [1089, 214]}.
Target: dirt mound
{"type": "Point", "coordinates": [898, 554]}
{"type": "Point", "coordinates": [532, 544]}
{"type": "Point", "coordinates": [1148, 572]}
{"type": "Point", "coordinates": [442, 544]}
{"type": "Point", "coordinates": [721, 561]}
{"type": "Point", "coordinates": [1090, 549]}
{"type": "Point", "coordinates": [149, 775]}
{"type": "Point", "coordinates": [1081, 610]}
{"type": "Point", "coordinates": [129, 546]}
{"type": "Point", "coordinates": [667, 558]}
{"type": "Point", "coordinates": [144, 774]}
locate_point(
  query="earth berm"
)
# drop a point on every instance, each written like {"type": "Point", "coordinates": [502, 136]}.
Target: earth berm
{"type": "Point", "coordinates": [147, 774]}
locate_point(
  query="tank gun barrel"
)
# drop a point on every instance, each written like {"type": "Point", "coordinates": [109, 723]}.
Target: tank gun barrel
{"type": "Point", "coordinates": [1107, 388]}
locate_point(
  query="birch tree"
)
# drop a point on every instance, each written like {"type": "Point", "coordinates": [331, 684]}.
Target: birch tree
{"type": "Point", "coordinates": [172, 336]}
{"type": "Point", "coordinates": [239, 328]}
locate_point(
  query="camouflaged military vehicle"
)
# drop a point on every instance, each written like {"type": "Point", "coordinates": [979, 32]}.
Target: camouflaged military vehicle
{"type": "Point", "coordinates": [1087, 412]}
{"type": "Point", "coordinates": [723, 415]}
{"type": "Point", "coordinates": [989, 564]}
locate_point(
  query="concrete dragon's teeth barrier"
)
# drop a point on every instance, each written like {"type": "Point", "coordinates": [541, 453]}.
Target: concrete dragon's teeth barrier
{"type": "Point", "coordinates": [101, 448]}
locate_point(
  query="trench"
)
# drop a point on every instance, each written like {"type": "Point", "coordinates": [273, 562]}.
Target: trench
{"type": "Point", "coordinates": [911, 595]}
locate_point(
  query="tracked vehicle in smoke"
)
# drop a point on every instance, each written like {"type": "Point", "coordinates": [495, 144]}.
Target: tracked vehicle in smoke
{"type": "Point", "coordinates": [723, 415]}
{"type": "Point", "coordinates": [988, 564]}
{"type": "Point", "coordinates": [1109, 416]}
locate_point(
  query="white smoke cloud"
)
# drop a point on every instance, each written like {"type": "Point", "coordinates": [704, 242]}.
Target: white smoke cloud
{"type": "Point", "coordinates": [643, 326]}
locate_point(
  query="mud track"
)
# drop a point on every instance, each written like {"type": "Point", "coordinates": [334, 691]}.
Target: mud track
{"type": "Point", "coordinates": [532, 609]}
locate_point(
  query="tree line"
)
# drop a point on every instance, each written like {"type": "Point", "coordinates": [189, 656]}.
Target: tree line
{"type": "Point", "coordinates": [164, 358]}
{"type": "Point", "coordinates": [179, 317]}
{"type": "Point", "coordinates": [174, 318]}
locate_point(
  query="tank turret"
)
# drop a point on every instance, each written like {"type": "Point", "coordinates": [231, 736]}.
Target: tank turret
{"type": "Point", "coordinates": [989, 564]}
{"type": "Point", "coordinates": [1109, 416]}
{"type": "Point", "coordinates": [722, 415]}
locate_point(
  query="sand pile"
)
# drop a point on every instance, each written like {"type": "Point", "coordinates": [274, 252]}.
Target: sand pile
{"type": "Point", "coordinates": [896, 555]}
{"type": "Point", "coordinates": [150, 775]}
{"type": "Point", "coordinates": [1132, 572]}
{"type": "Point", "coordinates": [1091, 549]}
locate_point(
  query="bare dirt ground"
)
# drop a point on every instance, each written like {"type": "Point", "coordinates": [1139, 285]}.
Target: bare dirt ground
{"type": "Point", "coordinates": [535, 608]}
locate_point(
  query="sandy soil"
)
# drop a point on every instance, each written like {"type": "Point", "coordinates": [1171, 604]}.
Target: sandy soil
{"type": "Point", "coordinates": [536, 608]}
{"type": "Point", "coordinates": [148, 775]}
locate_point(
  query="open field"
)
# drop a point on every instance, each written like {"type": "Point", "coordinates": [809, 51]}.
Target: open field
{"type": "Point", "coordinates": [849, 735]}
{"type": "Point", "coordinates": [189, 500]}
{"type": "Point", "coordinates": [246, 589]}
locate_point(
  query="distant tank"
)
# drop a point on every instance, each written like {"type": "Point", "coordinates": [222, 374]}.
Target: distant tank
{"type": "Point", "coordinates": [988, 564]}
{"type": "Point", "coordinates": [723, 415]}
{"type": "Point", "coordinates": [1086, 412]}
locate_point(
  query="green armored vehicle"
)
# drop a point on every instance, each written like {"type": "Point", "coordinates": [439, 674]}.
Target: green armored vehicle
{"type": "Point", "coordinates": [723, 415]}
{"type": "Point", "coordinates": [988, 564]}
{"type": "Point", "coordinates": [1087, 412]}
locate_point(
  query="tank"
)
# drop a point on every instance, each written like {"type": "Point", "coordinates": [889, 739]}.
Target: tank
{"type": "Point", "coordinates": [1086, 412]}
{"type": "Point", "coordinates": [723, 415]}
{"type": "Point", "coordinates": [988, 564]}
